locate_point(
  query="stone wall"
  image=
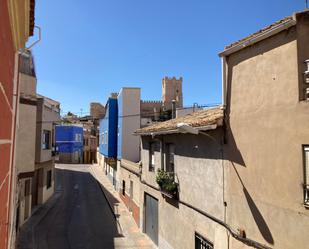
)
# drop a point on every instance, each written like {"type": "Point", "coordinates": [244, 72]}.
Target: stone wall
{"type": "Point", "coordinates": [97, 111]}
{"type": "Point", "coordinates": [172, 90]}
{"type": "Point", "coordinates": [151, 109]}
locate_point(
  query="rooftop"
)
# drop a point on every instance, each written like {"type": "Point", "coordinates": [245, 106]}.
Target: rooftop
{"type": "Point", "coordinates": [200, 119]}
{"type": "Point", "coordinates": [263, 33]}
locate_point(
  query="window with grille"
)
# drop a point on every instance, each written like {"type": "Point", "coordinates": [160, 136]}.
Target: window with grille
{"type": "Point", "coordinates": [306, 174]}
{"type": "Point", "coordinates": [151, 156]}
{"type": "Point", "coordinates": [169, 158]}
{"type": "Point", "coordinates": [202, 243]}
{"type": "Point", "coordinates": [123, 187]}
{"type": "Point", "coordinates": [46, 140]}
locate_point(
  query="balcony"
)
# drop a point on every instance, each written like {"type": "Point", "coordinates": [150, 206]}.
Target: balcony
{"type": "Point", "coordinates": [167, 183]}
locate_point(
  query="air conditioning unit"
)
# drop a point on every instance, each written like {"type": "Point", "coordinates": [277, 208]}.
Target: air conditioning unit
{"type": "Point", "coordinates": [306, 73]}
{"type": "Point", "coordinates": [307, 62]}
{"type": "Point", "coordinates": [307, 93]}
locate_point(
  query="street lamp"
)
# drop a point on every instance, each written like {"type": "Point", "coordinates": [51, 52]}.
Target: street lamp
{"type": "Point", "coordinates": [186, 128]}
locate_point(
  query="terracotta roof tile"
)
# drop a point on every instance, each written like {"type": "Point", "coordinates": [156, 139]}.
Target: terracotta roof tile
{"type": "Point", "coordinates": [286, 19]}
{"type": "Point", "coordinates": [197, 119]}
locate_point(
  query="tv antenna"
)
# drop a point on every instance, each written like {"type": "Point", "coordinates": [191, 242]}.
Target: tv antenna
{"type": "Point", "coordinates": [306, 3]}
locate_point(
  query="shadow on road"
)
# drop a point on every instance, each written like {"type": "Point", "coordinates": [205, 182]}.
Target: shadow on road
{"type": "Point", "coordinates": [80, 218]}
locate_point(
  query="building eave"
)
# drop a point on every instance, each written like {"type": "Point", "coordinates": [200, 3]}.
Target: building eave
{"type": "Point", "coordinates": [264, 35]}
{"type": "Point", "coordinates": [177, 131]}
{"type": "Point", "coordinates": [22, 21]}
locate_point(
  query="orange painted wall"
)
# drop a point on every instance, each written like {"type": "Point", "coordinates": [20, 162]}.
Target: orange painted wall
{"type": "Point", "coordinates": [7, 63]}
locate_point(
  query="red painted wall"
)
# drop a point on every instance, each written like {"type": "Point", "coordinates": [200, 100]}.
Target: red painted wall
{"type": "Point", "coordinates": [7, 63]}
{"type": "Point", "coordinates": [134, 207]}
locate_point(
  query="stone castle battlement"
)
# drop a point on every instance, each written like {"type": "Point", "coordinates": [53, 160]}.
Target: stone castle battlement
{"type": "Point", "coordinates": [172, 91]}
{"type": "Point", "coordinates": [151, 102]}
{"type": "Point", "coordinates": [173, 78]}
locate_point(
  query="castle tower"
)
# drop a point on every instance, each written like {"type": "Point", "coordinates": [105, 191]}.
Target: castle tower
{"type": "Point", "coordinates": [172, 90]}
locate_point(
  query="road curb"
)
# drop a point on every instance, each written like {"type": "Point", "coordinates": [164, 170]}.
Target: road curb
{"type": "Point", "coordinates": [108, 202]}
{"type": "Point", "coordinates": [103, 189]}
{"type": "Point", "coordinates": [29, 227]}
{"type": "Point", "coordinates": [52, 201]}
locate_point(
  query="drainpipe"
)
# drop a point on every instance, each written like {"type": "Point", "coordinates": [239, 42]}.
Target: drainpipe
{"type": "Point", "coordinates": [38, 40]}
{"type": "Point", "coordinates": [12, 178]}
{"type": "Point", "coordinates": [15, 110]}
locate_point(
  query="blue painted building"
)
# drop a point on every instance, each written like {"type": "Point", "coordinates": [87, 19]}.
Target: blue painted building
{"type": "Point", "coordinates": [108, 139]}
{"type": "Point", "coordinates": [69, 142]}
{"type": "Point", "coordinates": [108, 130]}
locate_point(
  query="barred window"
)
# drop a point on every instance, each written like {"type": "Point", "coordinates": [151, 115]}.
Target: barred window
{"type": "Point", "coordinates": [306, 174]}
{"type": "Point", "coordinates": [202, 243]}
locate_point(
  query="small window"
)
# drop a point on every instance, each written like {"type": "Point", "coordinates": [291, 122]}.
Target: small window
{"type": "Point", "coordinates": [123, 187]}
{"type": "Point", "coordinates": [152, 157]}
{"type": "Point", "coordinates": [306, 174]}
{"type": "Point", "coordinates": [169, 159]}
{"type": "Point", "coordinates": [78, 137]}
{"type": "Point", "coordinates": [202, 243]}
{"type": "Point", "coordinates": [27, 187]}
{"type": "Point", "coordinates": [46, 140]}
{"type": "Point", "coordinates": [102, 138]}
{"type": "Point", "coordinates": [48, 179]}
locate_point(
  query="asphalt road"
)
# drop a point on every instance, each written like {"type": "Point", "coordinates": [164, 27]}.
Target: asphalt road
{"type": "Point", "coordinates": [81, 218]}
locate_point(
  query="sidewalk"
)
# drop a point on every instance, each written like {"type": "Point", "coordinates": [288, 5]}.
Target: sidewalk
{"type": "Point", "coordinates": [133, 237]}
{"type": "Point", "coordinates": [26, 239]}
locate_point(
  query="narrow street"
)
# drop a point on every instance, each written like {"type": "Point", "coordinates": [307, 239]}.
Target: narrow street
{"type": "Point", "coordinates": [81, 218]}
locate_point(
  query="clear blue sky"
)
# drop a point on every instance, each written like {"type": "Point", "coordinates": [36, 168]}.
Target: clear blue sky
{"type": "Point", "coordinates": [92, 48]}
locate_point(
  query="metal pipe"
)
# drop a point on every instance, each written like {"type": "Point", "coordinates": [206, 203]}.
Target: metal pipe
{"type": "Point", "coordinates": [38, 40]}
{"type": "Point", "coordinates": [246, 241]}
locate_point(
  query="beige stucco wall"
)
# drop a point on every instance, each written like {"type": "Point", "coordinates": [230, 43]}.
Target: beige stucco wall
{"type": "Point", "coordinates": [46, 119]}
{"type": "Point", "coordinates": [25, 145]}
{"type": "Point", "coordinates": [127, 176]}
{"type": "Point", "coordinates": [23, 213]}
{"type": "Point", "coordinates": [48, 192]}
{"type": "Point", "coordinates": [266, 131]}
{"type": "Point", "coordinates": [130, 106]}
{"type": "Point", "coordinates": [198, 168]}
{"type": "Point", "coordinates": [45, 193]}
{"type": "Point", "coordinates": [27, 84]}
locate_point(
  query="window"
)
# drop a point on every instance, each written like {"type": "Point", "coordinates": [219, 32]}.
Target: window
{"type": "Point", "coordinates": [102, 138]}
{"type": "Point", "coordinates": [123, 187]}
{"type": "Point", "coordinates": [151, 156]}
{"type": "Point", "coordinates": [306, 174]}
{"type": "Point", "coordinates": [202, 243]}
{"type": "Point", "coordinates": [48, 179]}
{"type": "Point", "coordinates": [131, 190]}
{"type": "Point", "coordinates": [78, 137]}
{"type": "Point", "coordinates": [46, 140]}
{"type": "Point", "coordinates": [27, 187]}
{"type": "Point", "coordinates": [169, 157]}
